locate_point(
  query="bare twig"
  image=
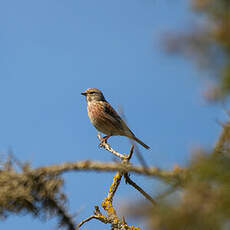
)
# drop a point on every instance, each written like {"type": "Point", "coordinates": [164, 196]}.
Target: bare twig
{"type": "Point", "coordinates": [103, 219]}
{"type": "Point", "coordinates": [106, 146]}
{"type": "Point", "coordinates": [130, 153]}
{"type": "Point", "coordinates": [138, 188]}
{"type": "Point", "coordinates": [97, 215]}
{"type": "Point", "coordinates": [86, 220]}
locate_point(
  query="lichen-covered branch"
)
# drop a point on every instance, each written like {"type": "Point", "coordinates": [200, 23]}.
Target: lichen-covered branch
{"type": "Point", "coordinates": [169, 176]}
{"type": "Point", "coordinates": [165, 175]}
{"type": "Point", "coordinates": [38, 191]}
{"type": "Point", "coordinates": [107, 204]}
{"type": "Point", "coordinates": [26, 192]}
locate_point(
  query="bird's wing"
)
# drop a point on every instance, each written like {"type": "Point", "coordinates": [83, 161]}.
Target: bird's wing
{"type": "Point", "coordinates": [108, 109]}
{"type": "Point", "coordinates": [113, 116]}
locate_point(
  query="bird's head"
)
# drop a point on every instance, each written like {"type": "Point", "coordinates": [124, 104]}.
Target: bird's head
{"type": "Point", "coordinates": [93, 94]}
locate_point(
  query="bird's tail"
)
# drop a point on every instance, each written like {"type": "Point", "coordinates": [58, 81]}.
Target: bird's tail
{"type": "Point", "coordinates": [140, 142]}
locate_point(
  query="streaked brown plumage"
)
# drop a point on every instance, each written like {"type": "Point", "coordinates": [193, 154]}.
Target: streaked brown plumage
{"type": "Point", "coordinates": [105, 118]}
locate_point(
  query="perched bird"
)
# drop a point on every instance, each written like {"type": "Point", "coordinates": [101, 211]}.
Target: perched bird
{"type": "Point", "coordinates": [105, 119]}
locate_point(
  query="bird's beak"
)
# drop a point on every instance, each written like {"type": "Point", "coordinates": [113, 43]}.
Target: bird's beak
{"type": "Point", "coordinates": [84, 94]}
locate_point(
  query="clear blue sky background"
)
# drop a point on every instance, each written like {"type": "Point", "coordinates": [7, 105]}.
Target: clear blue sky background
{"type": "Point", "coordinates": [53, 50]}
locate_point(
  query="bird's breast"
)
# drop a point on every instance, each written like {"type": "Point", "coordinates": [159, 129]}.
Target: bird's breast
{"type": "Point", "coordinates": [94, 111]}
{"type": "Point", "coordinates": [97, 117]}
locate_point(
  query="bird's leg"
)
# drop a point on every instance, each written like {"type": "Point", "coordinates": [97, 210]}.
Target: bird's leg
{"type": "Point", "coordinates": [104, 140]}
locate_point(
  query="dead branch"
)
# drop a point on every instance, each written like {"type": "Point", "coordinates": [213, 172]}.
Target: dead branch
{"type": "Point", "coordinates": [124, 166]}
{"type": "Point", "coordinates": [138, 188]}
{"type": "Point", "coordinates": [97, 215]}
{"type": "Point", "coordinates": [169, 176]}
{"type": "Point", "coordinates": [40, 195]}
{"type": "Point", "coordinates": [106, 146]}
{"type": "Point", "coordinates": [26, 190]}
{"type": "Point", "coordinates": [107, 204]}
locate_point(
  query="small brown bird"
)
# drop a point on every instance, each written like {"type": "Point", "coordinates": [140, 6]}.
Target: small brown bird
{"type": "Point", "coordinates": [104, 118]}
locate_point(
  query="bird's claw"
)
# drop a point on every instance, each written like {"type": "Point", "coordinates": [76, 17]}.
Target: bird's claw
{"type": "Point", "coordinates": [103, 141]}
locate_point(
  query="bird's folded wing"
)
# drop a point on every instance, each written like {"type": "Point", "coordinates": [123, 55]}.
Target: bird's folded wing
{"type": "Point", "coordinates": [116, 120]}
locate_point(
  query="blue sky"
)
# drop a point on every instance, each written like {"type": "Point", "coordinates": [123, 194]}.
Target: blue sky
{"type": "Point", "coordinates": [53, 50]}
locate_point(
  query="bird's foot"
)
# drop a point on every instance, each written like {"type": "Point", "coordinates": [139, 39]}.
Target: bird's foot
{"type": "Point", "coordinates": [103, 141]}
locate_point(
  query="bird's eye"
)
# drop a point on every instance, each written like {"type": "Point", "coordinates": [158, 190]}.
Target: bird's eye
{"type": "Point", "coordinates": [91, 92]}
